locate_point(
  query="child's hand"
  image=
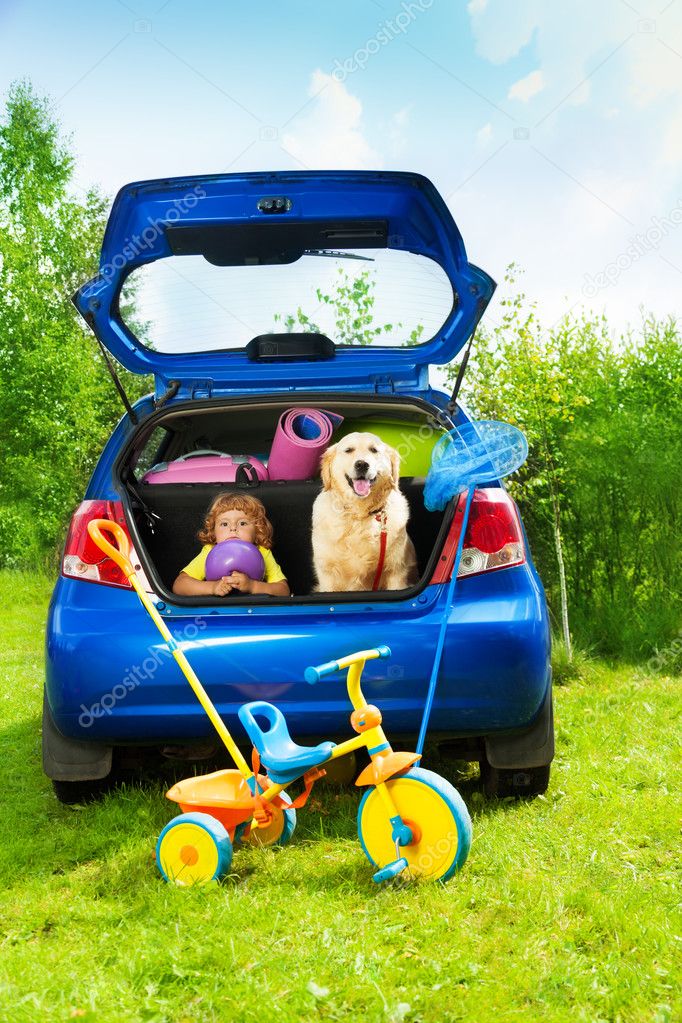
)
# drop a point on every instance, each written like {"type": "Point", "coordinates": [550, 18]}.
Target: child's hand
{"type": "Point", "coordinates": [222, 587]}
{"type": "Point", "coordinates": [240, 581]}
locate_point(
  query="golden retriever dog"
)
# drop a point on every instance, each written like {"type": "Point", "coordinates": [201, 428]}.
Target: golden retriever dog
{"type": "Point", "coordinates": [360, 500]}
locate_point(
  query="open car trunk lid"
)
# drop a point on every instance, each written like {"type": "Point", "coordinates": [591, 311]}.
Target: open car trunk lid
{"type": "Point", "coordinates": [281, 221]}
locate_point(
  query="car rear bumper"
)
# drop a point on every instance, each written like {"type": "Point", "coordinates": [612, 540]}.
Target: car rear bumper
{"type": "Point", "coordinates": [111, 679]}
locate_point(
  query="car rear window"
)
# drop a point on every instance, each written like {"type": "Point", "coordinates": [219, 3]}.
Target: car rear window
{"type": "Point", "coordinates": [384, 297]}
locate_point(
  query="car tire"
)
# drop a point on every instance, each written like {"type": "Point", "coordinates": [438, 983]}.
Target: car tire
{"type": "Point", "coordinates": [341, 772]}
{"type": "Point", "coordinates": [70, 792]}
{"type": "Point", "coordinates": [520, 783]}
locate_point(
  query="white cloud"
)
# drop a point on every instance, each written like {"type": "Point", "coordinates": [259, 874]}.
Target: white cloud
{"type": "Point", "coordinates": [527, 87]}
{"type": "Point", "coordinates": [328, 134]}
{"type": "Point", "coordinates": [565, 49]}
{"type": "Point", "coordinates": [501, 30]}
{"type": "Point", "coordinates": [655, 79]}
{"type": "Point", "coordinates": [655, 64]}
{"type": "Point", "coordinates": [580, 55]}
{"type": "Point", "coordinates": [620, 70]}
{"type": "Point", "coordinates": [401, 118]}
{"type": "Point", "coordinates": [671, 146]}
{"type": "Point", "coordinates": [397, 130]}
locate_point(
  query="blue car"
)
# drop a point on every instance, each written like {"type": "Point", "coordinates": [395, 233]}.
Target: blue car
{"type": "Point", "coordinates": [246, 297]}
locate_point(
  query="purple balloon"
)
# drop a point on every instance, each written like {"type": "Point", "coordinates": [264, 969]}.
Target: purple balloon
{"type": "Point", "coordinates": [235, 556]}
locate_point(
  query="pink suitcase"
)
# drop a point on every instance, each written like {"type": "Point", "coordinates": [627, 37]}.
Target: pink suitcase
{"type": "Point", "coordinates": [208, 467]}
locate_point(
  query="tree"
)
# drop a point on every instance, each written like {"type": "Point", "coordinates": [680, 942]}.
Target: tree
{"type": "Point", "coordinates": [57, 402]}
{"type": "Point", "coordinates": [352, 304]}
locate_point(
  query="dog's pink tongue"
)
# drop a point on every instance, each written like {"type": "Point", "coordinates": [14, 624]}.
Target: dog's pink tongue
{"type": "Point", "coordinates": [361, 487]}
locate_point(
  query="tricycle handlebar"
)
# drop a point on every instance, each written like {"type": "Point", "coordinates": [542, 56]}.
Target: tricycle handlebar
{"type": "Point", "coordinates": [314, 674]}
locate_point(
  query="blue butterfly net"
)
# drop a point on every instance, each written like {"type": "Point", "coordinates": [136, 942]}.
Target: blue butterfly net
{"type": "Point", "coordinates": [473, 453]}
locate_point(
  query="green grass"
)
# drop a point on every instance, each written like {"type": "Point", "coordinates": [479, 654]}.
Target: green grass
{"type": "Point", "coordinates": [566, 909]}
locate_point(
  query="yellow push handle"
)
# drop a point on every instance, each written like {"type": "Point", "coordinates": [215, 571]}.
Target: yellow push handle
{"type": "Point", "coordinates": [119, 554]}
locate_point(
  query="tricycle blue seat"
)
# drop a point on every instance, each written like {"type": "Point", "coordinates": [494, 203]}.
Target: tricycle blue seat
{"type": "Point", "coordinates": [284, 759]}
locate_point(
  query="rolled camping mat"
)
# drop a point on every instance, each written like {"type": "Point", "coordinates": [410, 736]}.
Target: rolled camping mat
{"type": "Point", "coordinates": [301, 438]}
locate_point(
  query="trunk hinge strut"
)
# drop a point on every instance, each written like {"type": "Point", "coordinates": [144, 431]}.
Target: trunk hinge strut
{"type": "Point", "coordinates": [170, 392]}
{"type": "Point", "coordinates": [451, 407]}
{"type": "Point", "coordinates": [114, 376]}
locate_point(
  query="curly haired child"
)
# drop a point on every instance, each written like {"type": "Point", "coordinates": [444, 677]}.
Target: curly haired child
{"type": "Point", "coordinates": [241, 516]}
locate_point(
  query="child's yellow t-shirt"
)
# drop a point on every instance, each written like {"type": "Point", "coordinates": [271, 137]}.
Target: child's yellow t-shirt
{"type": "Point", "coordinates": [197, 567]}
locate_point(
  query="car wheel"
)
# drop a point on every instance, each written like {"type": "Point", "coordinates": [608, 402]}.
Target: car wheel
{"type": "Point", "coordinates": [522, 782]}
{"type": "Point", "coordinates": [81, 791]}
{"type": "Point", "coordinates": [341, 772]}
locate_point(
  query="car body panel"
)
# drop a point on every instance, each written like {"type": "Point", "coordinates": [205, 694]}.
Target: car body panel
{"type": "Point", "coordinates": [416, 220]}
{"type": "Point", "coordinates": [110, 676]}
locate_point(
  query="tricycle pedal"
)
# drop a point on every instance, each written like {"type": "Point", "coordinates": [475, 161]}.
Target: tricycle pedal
{"type": "Point", "coordinates": [390, 870]}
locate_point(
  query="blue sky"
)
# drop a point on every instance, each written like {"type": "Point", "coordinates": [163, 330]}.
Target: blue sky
{"type": "Point", "coordinates": [554, 130]}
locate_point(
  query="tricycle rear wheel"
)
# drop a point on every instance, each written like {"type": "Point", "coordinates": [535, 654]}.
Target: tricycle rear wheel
{"type": "Point", "coordinates": [278, 831]}
{"type": "Point", "coordinates": [192, 849]}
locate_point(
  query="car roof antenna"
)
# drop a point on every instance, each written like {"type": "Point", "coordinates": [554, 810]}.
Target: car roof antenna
{"type": "Point", "coordinates": [119, 386]}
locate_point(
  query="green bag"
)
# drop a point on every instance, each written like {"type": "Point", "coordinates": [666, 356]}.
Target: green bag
{"type": "Point", "coordinates": [414, 443]}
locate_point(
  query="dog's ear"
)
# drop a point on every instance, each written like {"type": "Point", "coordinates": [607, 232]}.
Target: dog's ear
{"type": "Point", "coordinates": [326, 467]}
{"type": "Point", "coordinates": [395, 464]}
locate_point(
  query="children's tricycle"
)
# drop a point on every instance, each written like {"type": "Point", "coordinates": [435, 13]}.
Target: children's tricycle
{"type": "Point", "coordinates": [409, 819]}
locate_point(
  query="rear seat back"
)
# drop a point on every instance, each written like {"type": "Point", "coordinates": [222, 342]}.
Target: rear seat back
{"type": "Point", "coordinates": [181, 507]}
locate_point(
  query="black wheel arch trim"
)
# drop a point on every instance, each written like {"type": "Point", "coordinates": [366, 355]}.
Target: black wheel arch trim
{"type": "Point", "coordinates": [68, 760]}
{"type": "Point", "coordinates": [533, 747]}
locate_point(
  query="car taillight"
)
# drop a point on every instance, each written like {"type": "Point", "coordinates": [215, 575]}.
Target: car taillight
{"type": "Point", "coordinates": [82, 558]}
{"type": "Point", "coordinates": [493, 537]}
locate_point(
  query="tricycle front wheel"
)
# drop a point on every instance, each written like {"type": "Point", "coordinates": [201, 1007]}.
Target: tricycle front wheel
{"type": "Point", "coordinates": [435, 812]}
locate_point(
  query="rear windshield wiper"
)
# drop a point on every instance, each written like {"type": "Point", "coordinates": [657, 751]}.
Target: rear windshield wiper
{"type": "Point", "coordinates": [336, 254]}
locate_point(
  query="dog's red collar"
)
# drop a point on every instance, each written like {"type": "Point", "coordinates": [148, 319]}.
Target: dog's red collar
{"type": "Point", "coordinates": [380, 516]}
